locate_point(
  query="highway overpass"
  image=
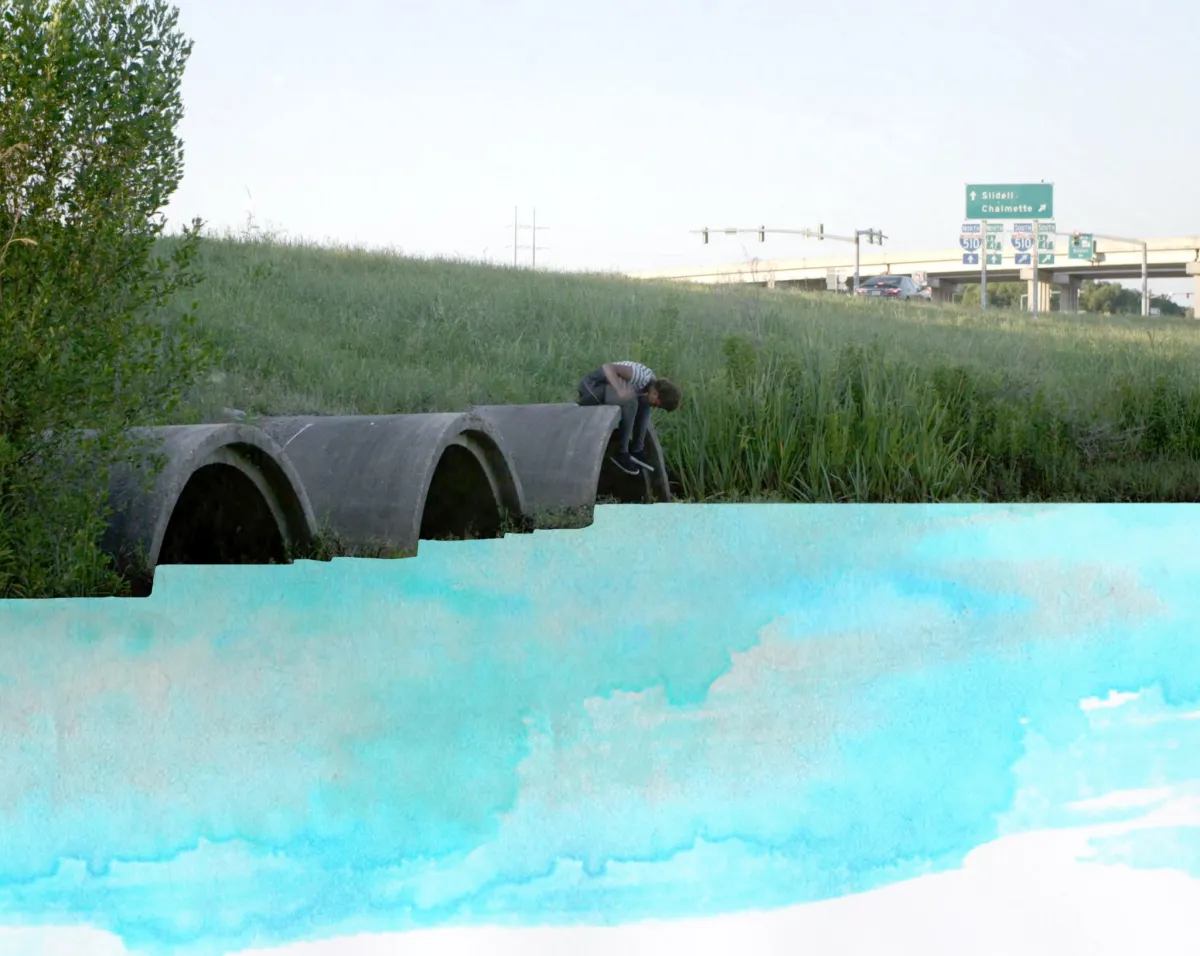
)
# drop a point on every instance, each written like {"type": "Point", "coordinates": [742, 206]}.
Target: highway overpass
{"type": "Point", "coordinates": [1170, 258]}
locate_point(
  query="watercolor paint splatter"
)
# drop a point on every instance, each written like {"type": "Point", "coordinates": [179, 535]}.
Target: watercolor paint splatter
{"type": "Point", "coordinates": [679, 712]}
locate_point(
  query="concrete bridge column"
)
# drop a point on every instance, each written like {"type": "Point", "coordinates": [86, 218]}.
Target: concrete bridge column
{"type": "Point", "coordinates": [1042, 292]}
{"type": "Point", "coordinates": [1068, 292]}
{"type": "Point", "coordinates": [943, 290]}
{"type": "Point", "coordinates": [1193, 269]}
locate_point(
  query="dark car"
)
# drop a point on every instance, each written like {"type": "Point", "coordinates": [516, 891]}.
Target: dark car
{"type": "Point", "coordinates": [892, 287]}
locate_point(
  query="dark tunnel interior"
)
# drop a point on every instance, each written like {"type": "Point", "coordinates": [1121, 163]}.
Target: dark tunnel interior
{"type": "Point", "coordinates": [220, 518]}
{"type": "Point", "coordinates": [460, 502]}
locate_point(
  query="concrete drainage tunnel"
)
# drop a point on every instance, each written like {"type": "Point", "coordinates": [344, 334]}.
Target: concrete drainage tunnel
{"type": "Point", "coordinates": [373, 485]}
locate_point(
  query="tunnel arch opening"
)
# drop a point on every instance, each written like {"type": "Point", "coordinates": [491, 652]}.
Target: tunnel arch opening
{"type": "Point", "coordinates": [462, 500]}
{"type": "Point", "coordinates": [222, 517]}
{"type": "Point", "coordinates": [221, 494]}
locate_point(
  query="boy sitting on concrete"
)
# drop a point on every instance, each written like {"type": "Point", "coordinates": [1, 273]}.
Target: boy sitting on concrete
{"type": "Point", "coordinates": [636, 389]}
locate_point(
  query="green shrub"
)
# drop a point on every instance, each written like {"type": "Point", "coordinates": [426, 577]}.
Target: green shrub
{"type": "Point", "coordinates": [88, 157]}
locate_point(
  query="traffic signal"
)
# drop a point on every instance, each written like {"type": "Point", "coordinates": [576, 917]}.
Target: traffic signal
{"type": "Point", "coordinates": [1075, 240]}
{"type": "Point", "coordinates": [762, 233]}
{"type": "Point", "coordinates": [704, 233]}
{"type": "Point", "coordinates": [820, 230]}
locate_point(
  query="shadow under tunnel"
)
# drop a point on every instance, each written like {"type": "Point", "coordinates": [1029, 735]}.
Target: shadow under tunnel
{"type": "Point", "coordinates": [615, 484]}
{"type": "Point", "coordinates": [461, 501]}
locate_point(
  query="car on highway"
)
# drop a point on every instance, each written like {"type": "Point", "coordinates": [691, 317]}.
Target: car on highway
{"type": "Point", "coordinates": [893, 287]}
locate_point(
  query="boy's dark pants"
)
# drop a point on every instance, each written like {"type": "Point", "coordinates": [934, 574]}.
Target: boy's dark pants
{"type": "Point", "coordinates": [635, 412]}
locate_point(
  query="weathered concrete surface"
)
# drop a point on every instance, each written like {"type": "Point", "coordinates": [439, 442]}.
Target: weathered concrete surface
{"type": "Point", "coordinates": [561, 453]}
{"type": "Point", "coordinates": [226, 494]}
{"type": "Point", "coordinates": [380, 483]}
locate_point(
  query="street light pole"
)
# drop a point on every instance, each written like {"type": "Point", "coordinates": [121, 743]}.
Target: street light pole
{"type": "Point", "coordinates": [857, 247]}
{"type": "Point", "coordinates": [872, 235]}
{"type": "Point", "coordinates": [1145, 265]}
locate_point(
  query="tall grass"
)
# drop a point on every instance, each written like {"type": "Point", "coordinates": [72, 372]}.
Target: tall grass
{"type": "Point", "coordinates": [788, 396]}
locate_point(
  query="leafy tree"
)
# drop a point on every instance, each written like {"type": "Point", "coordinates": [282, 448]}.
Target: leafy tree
{"type": "Point", "coordinates": [1115, 299]}
{"type": "Point", "coordinates": [1165, 305]}
{"type": "Point", "coordinates": [89, 104]}
{"type": "Point", "coordinates": [1108, 297]}
{"type": "Point", "coordinates": [1102, 297]}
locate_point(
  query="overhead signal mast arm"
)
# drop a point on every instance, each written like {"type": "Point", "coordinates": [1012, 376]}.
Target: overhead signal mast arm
{"type": "Point", "coordinates": [872, 235]}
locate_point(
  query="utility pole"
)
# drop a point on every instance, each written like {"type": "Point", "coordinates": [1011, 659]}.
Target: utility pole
{"type": "Point", "coordinates": [533, 246]}
{"type": "Point", "coordinates": [873, 236]}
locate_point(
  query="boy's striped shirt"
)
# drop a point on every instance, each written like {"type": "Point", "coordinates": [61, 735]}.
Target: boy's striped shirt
{"type": "Point", "coordinates": [641, 378]}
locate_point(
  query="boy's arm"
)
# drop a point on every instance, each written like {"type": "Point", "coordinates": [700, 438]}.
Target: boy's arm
{"type": "Point", "coordinates": [618, 376]}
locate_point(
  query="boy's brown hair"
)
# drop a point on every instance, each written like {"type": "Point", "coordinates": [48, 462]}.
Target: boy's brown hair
{"type": "Point", "coordinates": [669, 395]}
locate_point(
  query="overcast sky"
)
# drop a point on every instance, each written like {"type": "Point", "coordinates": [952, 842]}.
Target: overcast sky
{"type": "Point", "coordinates": [420, 126]}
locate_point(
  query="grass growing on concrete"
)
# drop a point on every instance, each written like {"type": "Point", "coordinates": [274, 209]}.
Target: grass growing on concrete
{"type": "Point", "coordinates": [788, 396]}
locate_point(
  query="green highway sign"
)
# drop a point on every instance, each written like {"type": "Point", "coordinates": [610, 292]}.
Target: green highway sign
{"type": "Point", "coordinates": [1082, 245]}
{"type": "Point", "coordinates": [1046, 239]}
{"type": "Point", "coordinates": [1010, 201]}
{"type": "Point", "coordinates": [993, 244]}
{"type": "Point", "coordinates": [1045, 258]}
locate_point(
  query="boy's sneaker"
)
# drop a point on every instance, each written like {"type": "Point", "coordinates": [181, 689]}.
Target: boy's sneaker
{"type": "Point", "coordinates": [639, 459]}
{"type": "Point", "coordinates": [625, 462]}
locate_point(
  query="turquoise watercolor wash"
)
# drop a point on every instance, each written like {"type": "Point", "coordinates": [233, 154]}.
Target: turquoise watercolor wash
{"type": "Point", "coordinates": [680, 711]}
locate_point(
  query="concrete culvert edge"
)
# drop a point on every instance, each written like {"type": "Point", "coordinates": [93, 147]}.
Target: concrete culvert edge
{"type": "Point", "coordinates": [374, 485]}
{"type": "Point", "coordinates": [381, 483]}
{"type": "Point", "coordinates": [226, 495]}
{"type": "Point", "coordinates": [561, 453]}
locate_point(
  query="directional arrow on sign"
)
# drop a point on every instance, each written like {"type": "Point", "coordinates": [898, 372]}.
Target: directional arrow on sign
{"type": "Point", "coordinates": [970, 258]}
{"type": "Point", "coordinates": [972, 195]}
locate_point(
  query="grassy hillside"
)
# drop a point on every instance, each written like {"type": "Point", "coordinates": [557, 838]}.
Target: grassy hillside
{"type": "Point", "coordinates": [787, 396]}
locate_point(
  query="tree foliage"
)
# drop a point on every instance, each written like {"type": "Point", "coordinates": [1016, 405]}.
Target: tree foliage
{"type": "Point", "coordinates": [1112, 298]}
{"type": "Point", "coordinates": [1108, 298]}
{"type": "Point", "coordinates": [89, 156]}
{"type": "Point", "coordinates": [1001, 295]}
